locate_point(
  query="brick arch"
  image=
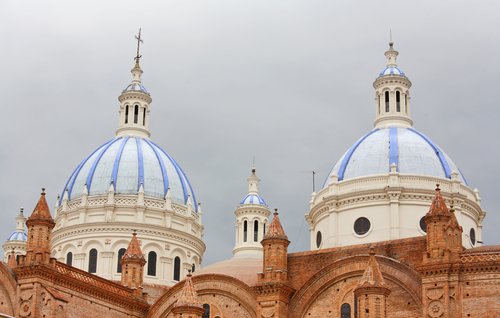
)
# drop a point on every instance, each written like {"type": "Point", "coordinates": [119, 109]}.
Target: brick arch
{"type": "Point", "coordinates": [207, 285]}
{"type": "Point", "coordinates": [349, 267]}
{"type": "Point", "coordinates": [7, 289]}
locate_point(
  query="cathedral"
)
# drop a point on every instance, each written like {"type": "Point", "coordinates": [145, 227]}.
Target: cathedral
{"type": "Point", "coordinates": [395, 231]}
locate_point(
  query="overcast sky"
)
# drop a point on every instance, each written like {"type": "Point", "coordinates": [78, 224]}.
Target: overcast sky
{"type": "Point", "coordinates": [289, 82]}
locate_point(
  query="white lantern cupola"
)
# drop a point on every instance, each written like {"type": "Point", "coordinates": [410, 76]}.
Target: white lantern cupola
{"type": "Point", "coordinates": [134, 104]}
{"type": "Point", "coordinates": [392, 94]}
{"type": "Point", "coordinates": [251, 221]}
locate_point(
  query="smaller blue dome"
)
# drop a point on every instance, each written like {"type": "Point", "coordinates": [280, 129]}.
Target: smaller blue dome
{"type": "Point", "coordinates": [18, 236]}
{"type": "Point", "coordinates": [392, 70]}
{"type": "Point", "coordinates": [136, 87]}
{"type": "Point", "coordinates": [253, 199]}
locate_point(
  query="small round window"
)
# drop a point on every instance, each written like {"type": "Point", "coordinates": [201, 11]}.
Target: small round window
{"type": "Point", "coordinates": [423, 226]}
{"type": "Point", "coordinates": [362, 226]}
{"type": "Point", "coordinates": [319, 238]}
{"type": "Point", "coordinates": [472, 235]}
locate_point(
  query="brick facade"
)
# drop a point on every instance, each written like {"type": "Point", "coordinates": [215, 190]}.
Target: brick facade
{"type": "Point", "coordinates": [430, 276]}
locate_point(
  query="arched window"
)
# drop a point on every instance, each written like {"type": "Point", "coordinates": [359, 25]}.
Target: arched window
{"type": "Point", "coordinates": [264, 229]}
{"type": "Point", "coordinates": [398, 101]}
{"type": "Point", "coordinates": [126, 114]}
{"type": "Point", "coordinates": [245, 231]}
{"type": "Point", "coordinates": [206, 313]}
{"type": "Point", "coordinates": [144, 116]}
{"type": "Point", "coordinates": [423, 225]}
{"type": "Point", "coordinates": [345, 311]}
{"type": "Point", "coordinates": [177, 268]}
{"type": "Point", "coordinates": [255, 230]}
{"type": "Point", "coordinates": [121, 251]}
{"type": "Point", "coordinates": [193, 268]}
{"type": "Point", "coordinates": [386, 102]}
{"type": "Point", "coordinates": [93, 261]}
{"type": "Point", "coordinates": [69, 259]}
{"type": "Point", "coordinates": [136, 114]}
{"type": "Point", "coordinates": [152, 264]}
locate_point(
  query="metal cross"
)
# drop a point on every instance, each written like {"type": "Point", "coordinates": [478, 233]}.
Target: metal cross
{"type": "Point", "coordinates": [139, 41]}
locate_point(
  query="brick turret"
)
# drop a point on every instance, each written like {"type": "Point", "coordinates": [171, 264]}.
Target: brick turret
{"type": "Point", "coordinates": [40, 225]}
{"type": "Point", "coordinates": [371, 291]}
{"type": "Point", "coordinates": [273, 289]}
{"type": "Point", "coordinates": [188, 304]}
{"type": "Point", "coordinates": [441, 261]}
{"type": "Point", "coordinates": [133, 266]}
{"type": "Point", "coordinates": [444, 234]}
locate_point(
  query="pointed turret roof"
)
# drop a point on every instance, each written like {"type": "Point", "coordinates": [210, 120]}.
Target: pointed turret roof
{"type": "Point", "coordinates": [41, 211]}
{"type": "Point", "coordinates": [188, 296]}
{"type": "Point", "coordinates": [372, 277]}
{"type": "Point", "coordinates": [133, 250]}
{"type": "Point", "coordinates": [438, 206]}
{"type": "Point", "coordinates": [275, 229]}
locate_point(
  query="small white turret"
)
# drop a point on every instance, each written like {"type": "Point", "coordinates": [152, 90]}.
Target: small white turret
{"type": "Point", "coordinates": [16, 242]}
{"type": "Point", "coordinates": [251, 221]}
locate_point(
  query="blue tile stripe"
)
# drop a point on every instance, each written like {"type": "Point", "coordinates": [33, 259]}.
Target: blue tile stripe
{"type": "Point", "coordinates": [162, 166]}
{"type": "Point", "coordinates": [439, 153]}
{"type": "Point", "coordinates": [190, 188]}
{"type": "Point", "coordinates": [176, 166]}
{"type": "Point", "coordinates": [253, 199]}
{"type": "Point", "coordinates": [116, 164]}
{"type": "Point", "coordinates": [96, 161]}
{"type": "Point", "coordinates": [140, 157]}
{"type": "Point", "coordinates": [393, 147]}
{"type": "Point", "coordinates": [77, 171]}
{"type": "Point", "coordinates": [348, 156]}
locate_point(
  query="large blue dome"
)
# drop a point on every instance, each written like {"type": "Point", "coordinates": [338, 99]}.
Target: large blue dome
{"type": "Point", "coordinates": [126, 163]}
{"type": "Point", "coordinates": [411, 151]}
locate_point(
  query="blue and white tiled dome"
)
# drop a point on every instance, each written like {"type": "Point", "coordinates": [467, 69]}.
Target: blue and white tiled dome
{"type": "Point", "coordinates": [135, 87]}
{"type": "Point", "coordinates": [126, 163]}
{"type": "Point", "coordinates": [392, 70]}
{"type": "Point", "coordinates": [18, 236]}
{"type": "Point", "coordinates": [253, 199]}
{"type": "Point", "coordinates": [411, 151]}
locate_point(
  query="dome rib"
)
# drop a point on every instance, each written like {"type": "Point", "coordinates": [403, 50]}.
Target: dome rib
{"type": "Point", "coordinates": [116, 165]}
{"type": "Point", "coordinates": [393, 148]}
{"type": "Point", "coordinates": [75, 173]}
{"type": "Point", "coordinates": [348, 156]}
{"type": "Point", "coordinates": [437, 150]}
{"type": "Point", "coordinates": [96, 162]}
{"type": "Point", "coordinates": [179, 172]}
{"type": "Point", "coordinates": [166, 183]}
{"type": "Point", "coordinates": [140, 158]}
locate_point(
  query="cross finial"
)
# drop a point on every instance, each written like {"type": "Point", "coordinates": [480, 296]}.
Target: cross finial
{"type": "Point", "coordinates": [139, 41]}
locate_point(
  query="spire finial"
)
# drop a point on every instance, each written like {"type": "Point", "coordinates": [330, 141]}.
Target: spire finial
{"type": "Point", "coordinates": [390, 38]}
{"type": "Point", "coordinates": [139, 41]}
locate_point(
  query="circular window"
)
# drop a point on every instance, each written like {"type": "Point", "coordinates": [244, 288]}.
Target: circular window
{"type": "Point", "coordinates": [472, 235]}
{"type": "Point", "coordinates": [362, 226]}
{"type": "Point", "coordinates": [423, 226]}
{"type": "Point", "coordinates": [319, 238]}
